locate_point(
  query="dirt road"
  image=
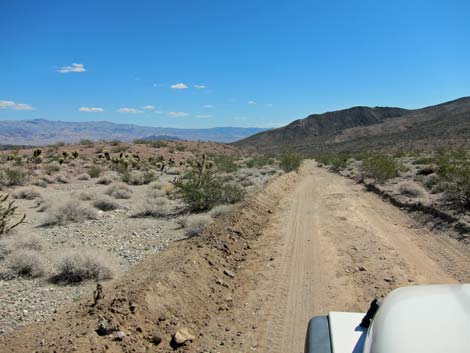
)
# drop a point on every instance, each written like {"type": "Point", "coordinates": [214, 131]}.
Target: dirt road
{"type": "Point", "coordinates": [337, 247]}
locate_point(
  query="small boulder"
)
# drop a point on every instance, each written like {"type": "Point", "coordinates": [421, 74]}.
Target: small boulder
{"type": "Point", "coordinates": [229, 273]}
{"type": "Point", "coordinates": [181, 337]}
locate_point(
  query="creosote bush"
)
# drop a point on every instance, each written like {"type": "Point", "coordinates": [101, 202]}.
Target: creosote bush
{"type": "Point", "coordinates": [201, 189]}
{"type": "Point", "coordinates": [290, 162]}
{"type": "Point", "coordinates": [80, 265]}
{"type": "Point", "coordinates": [70, 211]}
{"type": "Point", "coordinates": [380, 167]}
{"type": "Point", "coordinates": [454, 172]}
{"type": "Point", "coordinates": [94, 171]}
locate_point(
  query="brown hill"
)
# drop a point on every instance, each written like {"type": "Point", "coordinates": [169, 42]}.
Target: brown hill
{"type": "Point", "coordinates": [364, 128]}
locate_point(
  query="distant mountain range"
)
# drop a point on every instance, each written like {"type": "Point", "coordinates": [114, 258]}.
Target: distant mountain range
{"type": "Point", "coordinates": [43, 132]}
{"type": "Point", "coordinates": [364, 128]}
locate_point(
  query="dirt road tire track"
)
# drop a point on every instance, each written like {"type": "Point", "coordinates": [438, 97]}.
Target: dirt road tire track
{"type": "Point", "coordinates": [339, 247]}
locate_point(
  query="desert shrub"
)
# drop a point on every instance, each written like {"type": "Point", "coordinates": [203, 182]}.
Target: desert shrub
{"type": "Point", "coordinates": [156, 185]}
{"type": "Point", "coordinates": [153, 207]}
{"type": "Point", "coordinates": [69, 211]}
{"type": "Point", "coordinates": [380, 167]}
{"type": "Point", "coordinates": [48, 179]}
{"type": "Point", "coordinates": [410, 189]}
{"type": "Point", "coordinates": [26, 193]}
{"type": "Point", "coordinates": [52, 167]}
{"type": "Point", "coordinates": [105, 203]}
{"type": "Point", "coordinates": [40, 182]}
{"type": "Point", "coordinates": [225, 163]}
{"type": "Point", "coordinates": [118, 147]}
{"type": "Point", "coordinates": [62, 179]}
{"type": "Point", "coordinates": [231, 193]}
{"type": "Point", "coordinates": [86, 196]}
{"type": "Point", "coordinates": [431, 180]}
{"type": "Point", "coordinates": [94, 171]}
{"type": "Point", "coordinates": [119, 191]}
{"type": "Point", "coordinates": [220, 210]}
{"type": "Point", "coordinates": [259, 161]}
{"type": "Point", "coordinates": [13, 176]}
{"type": "Point", "coordinates": [26, 263]}
{"type": "Point", "coordinates": [454, 172]}
{"type": "Point", "coordinates": [167, 188]}
{"type": "Point", "coordinates": [173, 171]}
{"type": "Point", "coordinates": [8, 219]}
{"type": "Point", "coordinates": [290, 162]}
{"type": "Point", "coordinates": [195, 224]}
{"type": "Point", "coordinates": [18, 242]}
{"type": "Point", "coordinates": [42, 205]}
{"type": "Point", "coordinates": [104, 180]}
{"type": "Point", "coordinates": [137, 177]}
{"type": "Point", "coordinates": [423, 160]}
{"type": "Point", "coordinates": [80, 265]}
{"type": "Point", "coordinates": [86, 142]}
{"type": "Point", "coordinates": [336, 161]}
{"type": "Point", "coordinates": [201, 189]}
{"type": "Point", "coordinates": [83, 176]}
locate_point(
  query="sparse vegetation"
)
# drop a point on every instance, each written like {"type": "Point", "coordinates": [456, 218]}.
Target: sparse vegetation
{"type": "Point", "coordinates": [94, 171]}
{"type": "Point", "coordinates": [26, 193]}
{"type": "Point", "coordinates": [26, 263]}
{"type": "Point", "coordinates": [454, 172]}
{"type": "Point", "coordinates": [104, 180]}
{"type": "Point", "coordinates": [290, 162]}
{"type": "Point", "coordinates": [195, 224]}
{"type": "Point", "coordinates": [119, 191]}
{"type": "Point", "coordinates": [380, 167]}
{"type": "Point", "coordinates": [220, 210]}
{"type": "Point", "coordinates": [80, 265]}
{"type": "Point", "coordinates": [105, 203]}
{"type": "Point", "coordinates": [201, 189]}
{"type": "Point", "coordinates": [70, 211]}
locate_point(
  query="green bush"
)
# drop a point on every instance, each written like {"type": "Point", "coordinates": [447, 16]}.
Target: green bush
{"type": "Point", "coordinates": [454, 170]}
{"type": "Point", "coordinates": [201, 189]}
{"type": "Point", "coordinates": [290, 162]}
{"type": "Point", "coordinates": [225, 163]}
{"type": "Point", "coordinates": [13, 176]}
{"type": "Point", "coordinates": [94, 171]}
{"type": "Point", "coordinates": [380, 167]}
{"type": "Point", "coordinates": [259, 161]}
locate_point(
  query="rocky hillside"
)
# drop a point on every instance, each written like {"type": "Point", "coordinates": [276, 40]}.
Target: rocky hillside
{"type": "Point", "coordinates": [42, 132]}
{"type": "Point", "coordinates": [361, 128]}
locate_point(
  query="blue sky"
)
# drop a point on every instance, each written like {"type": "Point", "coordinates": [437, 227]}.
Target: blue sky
{"type": "Point", "coordinates": [243, 63]}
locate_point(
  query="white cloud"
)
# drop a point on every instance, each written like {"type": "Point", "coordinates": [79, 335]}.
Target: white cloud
{"type": "Point", "coordinates": [91, 109]}
{"type": "Point", "coordinates": [179, 86]}
{"type": "Point", "coordinates": [251, 102]}
{"type": "Point", "coordinates": [149, 107]}
{"type": "Point", "coordinates": [72, 68]}
{"type": "Point", "coordinates": [15, 106]}
{"type": "Point", "coordinates": [129, 111]}
{"type": "Point", "coordinates": [177, 114]}
{"type": "Point", "coordinates": [203, 116]}
{"type": "Point", "coordinates": [200, 86]}
{"type": "Point", "coordinates": [208, 106]}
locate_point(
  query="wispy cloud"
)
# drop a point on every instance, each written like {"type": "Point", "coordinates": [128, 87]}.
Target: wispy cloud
{"type": "Point", "coordinates": [129, 111]}
{"type": "Point", "coordinates": [208, 106]}
{"type": "Point", "coordinates": [251, 102]}
{"type": "Point", "coordinates": [149, 107]}
{"type": "Point", "coordinates": [177, 114]}
{"type": "Point", "coordinates": [200, 86]}
{"type": "Point", "coordinates": [72, 68]}
{"type": "Point", "coordinates": [204, 116]}
{"type": "Point", "coordinates": [15, 106]}
{"type": "Point", "coordinates": [179, 86]}
{"type": "Point", "coordinates": [91, 109]}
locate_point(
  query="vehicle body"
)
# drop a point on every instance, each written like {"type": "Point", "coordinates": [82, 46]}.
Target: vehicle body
{"type": "Point", "coordinates": [415, 319]}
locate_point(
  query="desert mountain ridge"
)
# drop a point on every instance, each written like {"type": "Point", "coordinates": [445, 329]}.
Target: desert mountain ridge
{"type": "Point", "coordinates": [363, 128]}
{"type": "Point", "coordinates": [43, 132]}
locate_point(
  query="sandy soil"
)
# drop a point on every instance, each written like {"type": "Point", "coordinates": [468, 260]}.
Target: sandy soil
{"type": "Point", "coordinates": [307, 244]}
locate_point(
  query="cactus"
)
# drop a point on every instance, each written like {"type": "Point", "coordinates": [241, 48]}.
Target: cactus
{"type": "Point", "coordinates": [37, 152]}
{"type": "Point", "coordinates": [75, 154]}
{"type": "Point", "coordinates": [7, 212]}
